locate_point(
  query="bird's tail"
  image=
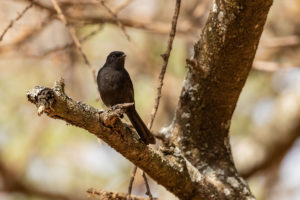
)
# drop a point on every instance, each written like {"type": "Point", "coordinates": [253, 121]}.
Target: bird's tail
{"type": "Point", "coordinates": [140, 126]}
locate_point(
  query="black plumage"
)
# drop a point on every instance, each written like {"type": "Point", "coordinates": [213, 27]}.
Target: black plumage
{"type": "Point", "coordinates": [115, 87]}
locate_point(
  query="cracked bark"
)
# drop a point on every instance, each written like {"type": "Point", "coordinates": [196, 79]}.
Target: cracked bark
{"type": "Point", "coordinates": [200, 166]}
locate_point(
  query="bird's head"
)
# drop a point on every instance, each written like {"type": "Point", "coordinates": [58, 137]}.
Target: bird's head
{"type": "Point", "coordinates": [116, 59]}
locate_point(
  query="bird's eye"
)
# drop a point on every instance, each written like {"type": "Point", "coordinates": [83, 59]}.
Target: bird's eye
{"type": "Point", "coordinates": [114, 56]}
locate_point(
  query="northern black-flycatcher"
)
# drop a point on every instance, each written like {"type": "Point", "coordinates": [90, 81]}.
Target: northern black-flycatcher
{"type": "Point", "coordinates": [115, 87]}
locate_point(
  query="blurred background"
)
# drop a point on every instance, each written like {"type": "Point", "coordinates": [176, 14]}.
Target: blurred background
{"type": "Point", "coordinates": [43, 158]}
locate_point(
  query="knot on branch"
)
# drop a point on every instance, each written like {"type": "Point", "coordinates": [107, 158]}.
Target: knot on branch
{"type": "Point", "coordinates": [42, 97]}
{"type": "Point", "coordinates": [165, 57]}
{"type": "Point", "coordinates": [59, 85]}
{"type": "Point", "coordinates": [193, 64]}
{"type": "Point", "coordinates": [115, 112]}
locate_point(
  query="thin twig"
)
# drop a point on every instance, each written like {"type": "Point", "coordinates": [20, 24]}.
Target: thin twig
{"type": "Point", "coordinates": [26, 36]}
{"type": "Point", "coordinates": [149, 26]}
{"type": "Point", "coordinates": [165, 57]}
{"type": "Point", "coordinates": [12, 22]}
{"type": "Point", "coordinates": [116, 18]}
{"type": "Point", "coordinates": [69, 45]}
{"type": "Point", "coordinates": [131, 182]}
{"type": "Point", "coordinates": [148, 191]}
{"type": "Point", "coordinates": [147, 186]}
{"type": "Point", "coordinates": [74, 37]}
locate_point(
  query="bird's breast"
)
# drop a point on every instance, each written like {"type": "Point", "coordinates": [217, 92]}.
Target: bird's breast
{"type": "Point", "coordinates": [113, 86]}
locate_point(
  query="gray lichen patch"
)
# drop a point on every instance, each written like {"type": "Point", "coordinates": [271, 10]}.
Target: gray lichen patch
{"type": "Point", "coordinates": [185, 115]}
{"type": "Point", "coordinates": [42, 97]}
{"type": "Point", "coordinates": [233, 182]}
{"type": "Point", "coordinates": [220, 16]}
{"type": "Point", "coordinates": [190, 89]}
{"type": "Point", "coordinates": [193, 172]}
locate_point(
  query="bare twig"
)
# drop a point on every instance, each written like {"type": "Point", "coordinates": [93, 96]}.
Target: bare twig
{"type": "Point", "coordinates": [151, 26]}
{"type": "Point", "coordinates": [26, 36]}
{"type": "Point", "coordinates": [74, 37]}
{"type": "Point", "coordinates": [42, 6]}
{"type": "Point", "coordinates": [131, 182]}
{"type": "Point", "coordinates": [165, 57]}
{"type": "Point", "coordinates": [147, 186]}
{"type": "Point", "coordinates": [115, 17]}
{"type": "Point", "coordinates": [12, 22]}
{"type": "Point", "coordinates": [69, 45]}
{"type": "Point", "coordinates": [148, 191]}
{"type": "Point", "coordinates": [172, 171]}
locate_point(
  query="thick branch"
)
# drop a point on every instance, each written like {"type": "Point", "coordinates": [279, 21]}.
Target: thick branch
{"type": "Point", "coordinates": [172, 171]}
{"type": "Point", "coordinates": [169, 169]}
{"type": "Point", "coordinates": [217, 73]}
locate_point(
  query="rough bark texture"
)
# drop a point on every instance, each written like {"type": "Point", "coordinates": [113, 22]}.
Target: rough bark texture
{"type": "Point", "coordinates": [171, 171]}
{"type": "Point", "coordinates": [217, 73]}
{"type": "Point", "coordinates": [105, 195]}
{"type": "Point", "coordinates": [199, 165]}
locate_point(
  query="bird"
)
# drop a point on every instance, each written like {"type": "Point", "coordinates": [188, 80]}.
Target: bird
{"type": "Point", "coordinates": [115, 87]}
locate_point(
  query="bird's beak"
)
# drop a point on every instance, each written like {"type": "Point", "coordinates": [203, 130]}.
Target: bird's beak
{"type": "Point", "coordinates": [123, 56]}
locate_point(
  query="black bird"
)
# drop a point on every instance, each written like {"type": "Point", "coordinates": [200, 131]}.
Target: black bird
{"type": "Point", "coordinates": [115, 87]}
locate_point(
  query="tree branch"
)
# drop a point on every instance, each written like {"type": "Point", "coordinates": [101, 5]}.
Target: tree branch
{"type": "Point", "coordinates": [165, 58]}
{"type": "Point", "coordinates": [106, 195]}
{"type": "Point", "coordinates": [107, 126]}
{"type": "Point", "coordinates": [151, 26]}
{"type": "Point", "coordinates": [217, 73]}
{"type": "Point", "coordinates": [12, 22]}
{"type": "Point", "coordinates": [75, 39]}
{"type": "Point", "coordinates": [118, 22]}
{"type": "Point", "coordinates": [171, 170]}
